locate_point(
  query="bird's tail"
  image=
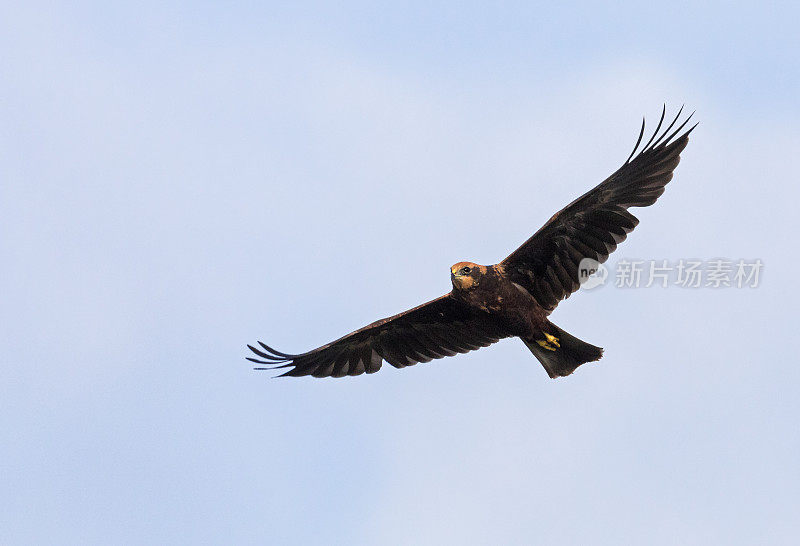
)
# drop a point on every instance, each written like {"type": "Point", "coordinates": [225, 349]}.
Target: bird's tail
{"type": "Point", "coordinates": [560, 353]}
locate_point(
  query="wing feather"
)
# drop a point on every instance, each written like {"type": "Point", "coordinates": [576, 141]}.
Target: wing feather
{"type": "Point", "coordinates": [437, 329]}
{"type": "Point", "coordinates": [594, 224]}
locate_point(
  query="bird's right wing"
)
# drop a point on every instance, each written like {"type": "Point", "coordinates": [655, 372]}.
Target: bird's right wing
{"type": "Point", "coordinates": [547, 264]}
{"type": "Point", "coordinates": [442, 327]}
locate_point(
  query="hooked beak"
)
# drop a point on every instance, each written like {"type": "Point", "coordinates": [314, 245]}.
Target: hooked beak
{"type": "Point", "coordinates": [454, 278]}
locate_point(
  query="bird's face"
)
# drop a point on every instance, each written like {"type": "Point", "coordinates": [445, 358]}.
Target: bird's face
{"type": "Point", "coordinates": [465, 275]}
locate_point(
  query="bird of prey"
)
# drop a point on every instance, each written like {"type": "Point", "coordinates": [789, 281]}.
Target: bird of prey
{"type": "Point", "coordinates": [514, 297]}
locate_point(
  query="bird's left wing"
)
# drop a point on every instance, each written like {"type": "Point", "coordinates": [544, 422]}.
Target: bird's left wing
{"type": "Point", "coordinates": [592, 226]}
{"type": "Point", "coordinates": [442, 327]}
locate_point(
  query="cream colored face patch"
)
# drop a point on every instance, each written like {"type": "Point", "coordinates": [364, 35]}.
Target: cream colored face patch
{"type": "Point", "coordinates": [461, 265]}
{"type": "Point", "coordinates": [467, 274]}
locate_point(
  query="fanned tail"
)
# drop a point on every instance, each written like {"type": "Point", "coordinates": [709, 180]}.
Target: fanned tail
{"type": "Point", "coordinates": [562, 353]}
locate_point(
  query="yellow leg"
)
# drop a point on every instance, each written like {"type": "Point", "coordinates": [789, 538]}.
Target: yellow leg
{"type": "Point", "coordinates": [551, 343]}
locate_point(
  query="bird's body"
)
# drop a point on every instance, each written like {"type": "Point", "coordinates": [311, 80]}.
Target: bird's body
{"type": "Point", "coordinates": [488, 289]}
{"type": "Point", "coordinates": [514, 310]}
{"type": "Point", "coordinates": [515, 297]}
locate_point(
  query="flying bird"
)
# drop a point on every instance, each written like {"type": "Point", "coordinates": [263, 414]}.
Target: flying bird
{"type": "Point", "coordinates": [514, 297]}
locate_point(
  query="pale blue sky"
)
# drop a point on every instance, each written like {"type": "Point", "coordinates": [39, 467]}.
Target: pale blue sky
{"type": "Point", "coordinates": [180, 179]}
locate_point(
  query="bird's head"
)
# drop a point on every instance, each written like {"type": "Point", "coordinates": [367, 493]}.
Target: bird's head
{"type": "Point", "coordinates": [466, 275]}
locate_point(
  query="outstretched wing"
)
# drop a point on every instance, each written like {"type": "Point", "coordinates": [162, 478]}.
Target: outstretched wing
{"type": "Point", "coordinates": [592, 226]}
{"type": "Point", "coordinates": [442, 327]}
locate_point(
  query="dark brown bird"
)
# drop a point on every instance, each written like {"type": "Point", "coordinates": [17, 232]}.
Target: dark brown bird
{"type": "Point", "coordinates": [514, 297]}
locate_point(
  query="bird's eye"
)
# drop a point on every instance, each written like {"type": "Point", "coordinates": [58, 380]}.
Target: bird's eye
{"type": "Point", "coordinates": [466, 270]}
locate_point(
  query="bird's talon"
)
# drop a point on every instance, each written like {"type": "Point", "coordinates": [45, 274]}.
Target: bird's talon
{"type": "Point", "coordinates": [545, 344]}
{"type": "Point", "coordinates": [552, 339]}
